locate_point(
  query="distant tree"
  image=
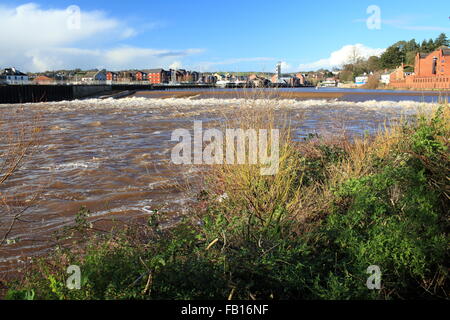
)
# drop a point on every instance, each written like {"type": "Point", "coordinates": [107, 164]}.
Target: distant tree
{"type": "Point", "coordinates": [373, 82]}
{"type": "Point", "coordinates": [427, 46]}
{"type": "Point", "coordinates": [424, 46]}
{"type": "Point", "coordinates": [441, 40]}
{"type": "Point", "coordinates": [410, 57]}
{"type": "Point", "coordinates": [431, 45]}
{"type": "Point", "coordinates": [373, 64]}
{"type": "Point", "coordinates": [409, 69]}
{"type": "Point", "coordinates": [354, 57]}
{"type": "Point", "coordinates": [412, 46]}
{"type": "Point", "coordinates": [335, 69]}
{"type": "Point", "coordinates": [346, 75]}
{"type": "Point", "coordinates": [392, 57]}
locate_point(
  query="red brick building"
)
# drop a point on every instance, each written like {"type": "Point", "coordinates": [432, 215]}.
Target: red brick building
{"type": "Point", "coordinates": [182, 75]}
{"type": "Point", "coordinates": [431, 71]}
{"type": "Point", "coordinates": [43, 80]}
{"type": "Point", "coordinates": [191, 76]}
{"type": "Point", "coordinates": [158, 76]}
{"type": "Point", "coordinates": [111, 76]}
{"type": "Point", "coordinates": [125, 76]}
{"type": "Point", "coordinates": [301, 78]}
{"type": "Point", "coordinates": [140, 76]}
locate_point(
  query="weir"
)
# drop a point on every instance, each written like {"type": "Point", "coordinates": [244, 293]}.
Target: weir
{"type": "Point", "coordinates": [47, 93]}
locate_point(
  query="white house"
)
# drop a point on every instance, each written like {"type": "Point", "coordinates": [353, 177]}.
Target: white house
{"type": "Point", "coordinates": [329, 83]}
{"type": "Point", "coordinates": [13, 76]}
{"type": "Point", "coordinates": [385, 78]}
{"type": "Point", "coordinates": [362, 80]}
{"type": "Point", "coordinates": [95, 77]}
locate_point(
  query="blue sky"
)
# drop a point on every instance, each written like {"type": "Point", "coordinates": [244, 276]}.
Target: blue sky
{"type": "Point", "coordinates": [209, 35]}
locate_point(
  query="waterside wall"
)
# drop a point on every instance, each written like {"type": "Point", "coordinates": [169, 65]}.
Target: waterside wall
{"type": "Point", "coordinates": [44, 93]}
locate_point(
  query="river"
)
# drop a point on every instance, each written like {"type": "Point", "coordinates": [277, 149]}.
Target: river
{"type": "Point", "coordinates": [113, 156]}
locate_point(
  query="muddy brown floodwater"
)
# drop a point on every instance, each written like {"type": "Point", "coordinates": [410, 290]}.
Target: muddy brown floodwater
{"type": "Point", "coordinates": [113, 157]}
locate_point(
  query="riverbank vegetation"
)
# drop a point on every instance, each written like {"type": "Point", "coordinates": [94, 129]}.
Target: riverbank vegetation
{"type": "Point", "coordinates": [336, 207]}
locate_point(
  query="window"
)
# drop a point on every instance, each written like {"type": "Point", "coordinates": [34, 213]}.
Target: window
{"type": "Point", "coordinates": [434, 68]}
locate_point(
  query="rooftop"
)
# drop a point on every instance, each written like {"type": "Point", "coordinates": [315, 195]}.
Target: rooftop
{"type": "Point", "coordinates": [445, 52]}
{"type": "Point", "coordinates": [154, 70]}
{"type": "Point", "coordinates": [11, 72]}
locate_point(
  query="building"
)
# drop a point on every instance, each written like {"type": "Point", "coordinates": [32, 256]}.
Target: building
{"type": "Point", "coordinates": [361, 80]}
{"type": "Point", "coordinates": [13, 76]}
{"type": "Point", "coordinates": [431, 71]}
{"type": "Point", "coordinates": [219, 77]}
{"type": "Point", "coordinates": [301, 79]}
{"type": "Point", "coordinates": [257, 81]}
{"type": "Point", "coordinates": [158, 76]}
{"type": "Point", "coordinates": [141, 76]}
{"type": "Point", "coordinates": [94, 76]}
{"type": "Point", "coordinates": [278, 70]}
{"type": "Point", "coordinates": [125, 76]}
{"type": "Point", "coordinates": [329, 82]}
{"type": "Point", "coordinates": [100, 76]}
{"type": "Point", "coordinates": [275, 78]}
{"type": "Point", "coordinates": [112, 76]}
{"type": "Point", "coordinates": [207, 79]}
{"type": "Point", "coordinates": [435, 64]}
{"type": "Point", "coordinates": [181, 75]}
{"type": "Point", "coordinates": [88, 76]}
{"type": "Point", "coordinates": [385, 78]}
{"type": "Point", "coordinates": [43, 80]}
{"type": "Point", "coordinates": [193, 76]}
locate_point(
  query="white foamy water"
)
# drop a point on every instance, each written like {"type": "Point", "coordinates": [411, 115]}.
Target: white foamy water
{"type": "Point", "coordinates": [158, 104]}
{"type": "Point", "coordinates": [76, 165]}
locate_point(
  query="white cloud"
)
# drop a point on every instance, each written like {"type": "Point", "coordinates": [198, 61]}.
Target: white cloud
{"type": "Point", "coordinates": [342, 56]}
{"type": "Point", "coordinates": [209, 65]}
{"type": "Point", "coordinates": [286, 67]}
{"type": "Point", "coordinates": [40, 39]}
{"type": "Point", "coordinates": [176, 65]}
{"type": "Point", "coordinates": [138, 56]}
{"type": "Point", "coordinates": [113, 59]}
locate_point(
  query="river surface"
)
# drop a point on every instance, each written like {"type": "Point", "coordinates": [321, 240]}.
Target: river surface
{"type": "Point", "coordinates": [113, 156]}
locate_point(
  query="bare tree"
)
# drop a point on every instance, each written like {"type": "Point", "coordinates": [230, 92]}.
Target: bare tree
{"type": "Point", "coordinates": [354, 56]}
{"type": "Point", "coordinates": [19, 137]}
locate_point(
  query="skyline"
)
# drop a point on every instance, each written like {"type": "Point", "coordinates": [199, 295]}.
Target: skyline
{"type": "Point", "coordinates": [250, 36]}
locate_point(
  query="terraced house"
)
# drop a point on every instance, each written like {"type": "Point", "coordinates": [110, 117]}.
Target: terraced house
{"type": "Point", "coordinates": [158, 76]}
{"type": "Point", "coordinates": [140, 76]}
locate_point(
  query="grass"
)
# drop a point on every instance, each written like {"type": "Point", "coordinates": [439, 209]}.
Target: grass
{"type": "Point", "coordinates": [335, 208]}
